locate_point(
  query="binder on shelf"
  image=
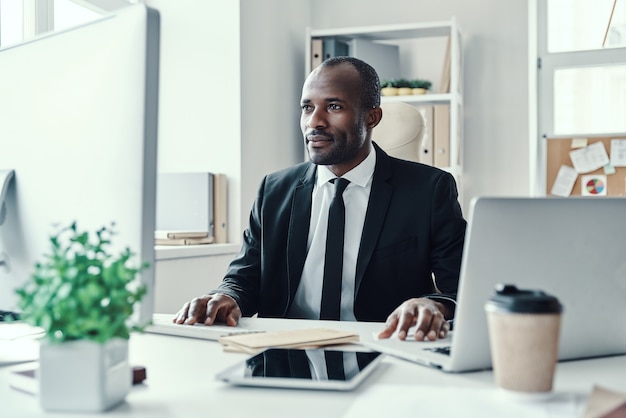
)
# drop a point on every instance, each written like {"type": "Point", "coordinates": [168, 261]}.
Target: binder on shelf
{"type": "Point", "coordinates": [385, 58]}
{"type": "Point", "coordinates": [220, 208]}
{"type": "Point", "coordinates": [444, 86]}
{"type": "Point", "coordinates": [441, 135]}
{"type": "Point", "coordinates": [317, 52]}
{"type": "Point", "coordinates": [335, 48]}
{"type": "Point", "coordinates": [426, 155]}
{"type": "Point", "coordinates": [184, 202]}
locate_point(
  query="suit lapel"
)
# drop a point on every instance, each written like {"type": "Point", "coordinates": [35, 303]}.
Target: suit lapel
{"type": "Point", "coordinates": [299, 228]}
{"type": "Point", "coordinates": [380, 196]}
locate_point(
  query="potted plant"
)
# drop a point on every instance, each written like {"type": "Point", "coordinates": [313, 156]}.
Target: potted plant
{"type": "Point", "coordinates": [388, 88]}
{"type": "Point", "coordinates": [82, 297]}
{"type": "Point", "coordinates": [420, 86]}
{"type": "Point", "coordinates": [404, 87]}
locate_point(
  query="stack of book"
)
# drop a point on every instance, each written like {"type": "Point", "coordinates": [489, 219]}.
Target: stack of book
{"type": "Point", "coordinates": [183, 237]}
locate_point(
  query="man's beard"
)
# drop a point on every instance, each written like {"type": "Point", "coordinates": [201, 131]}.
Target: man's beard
{"type": "Point", "coordinates": [341, 151]}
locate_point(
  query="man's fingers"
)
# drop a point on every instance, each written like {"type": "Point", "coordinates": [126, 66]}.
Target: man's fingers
{"type": "Point", "coordinates": [407, 320]}
{"type": "Point", "coordinates": [197, 310]}
{"type": "Point", "coordinates": [233, 317]}
{"type": "Point", "coordinates": [181, 315]}
{"type": "Point", "coordinates": [390, 327]}
{"type": "Point", "coordinates": [429, 325]}
{"type": "Point", "coordinates": [211, 311]}
{"type": "Point", "coordinates": [222, 308]}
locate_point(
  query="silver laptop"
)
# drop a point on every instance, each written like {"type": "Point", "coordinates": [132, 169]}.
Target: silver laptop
{"type": "Point", "coordinates": [572, 248]}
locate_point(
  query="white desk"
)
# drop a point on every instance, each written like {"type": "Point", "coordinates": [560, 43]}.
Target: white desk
{"type": "Point", "coordinates": [181, 382]}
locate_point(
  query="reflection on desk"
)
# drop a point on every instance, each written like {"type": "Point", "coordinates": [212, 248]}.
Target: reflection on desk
{"type": "Point", "coordinates": [181, 382]}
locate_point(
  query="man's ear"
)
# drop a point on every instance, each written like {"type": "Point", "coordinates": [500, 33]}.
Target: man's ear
{"type": "Point", "coordinates": [374, 116]}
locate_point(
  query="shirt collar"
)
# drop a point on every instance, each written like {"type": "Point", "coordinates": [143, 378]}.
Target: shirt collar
{"type": "Point", "coordinates": [361, 174]}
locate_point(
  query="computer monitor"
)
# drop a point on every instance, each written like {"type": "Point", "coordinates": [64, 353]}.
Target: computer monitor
{"type": "Point", "coordinates": [78, 127]}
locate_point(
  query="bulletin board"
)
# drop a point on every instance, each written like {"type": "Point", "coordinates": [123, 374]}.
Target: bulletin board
{"type": "Point", "coordinates": [558, 155]}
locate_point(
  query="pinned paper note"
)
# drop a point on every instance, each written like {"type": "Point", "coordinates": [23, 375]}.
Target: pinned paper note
{"type": "Point", "coordinates": [609, 169]}
{"type": "Point", "coordinates": [579, 142]}
{"type": "Point", "coordinates": [589, 158]}
{"type": "Point", "coordinates": [564, 182]}
{"type": "Point", "coordinates": [593, 185]}
{"type": "Point", "coordinates": [618, 152]}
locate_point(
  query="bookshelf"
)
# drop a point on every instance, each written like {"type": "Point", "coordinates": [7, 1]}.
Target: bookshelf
{"type": "Point", "coordinates": [409, 51]}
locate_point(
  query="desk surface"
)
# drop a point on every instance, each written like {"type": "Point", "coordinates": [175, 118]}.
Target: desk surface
{"type": "Point", "coordinates": [180, 382]}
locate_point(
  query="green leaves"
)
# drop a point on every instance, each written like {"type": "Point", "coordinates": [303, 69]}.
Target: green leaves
{"type": "Point", "coordinates": [403, 82]}
{"type": "Point", "coordinates": [420, 84]}
{"type": "Point", "coordinates": [79, 290]}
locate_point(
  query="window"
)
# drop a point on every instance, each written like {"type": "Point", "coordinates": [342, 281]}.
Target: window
{"type": "Point", "coordinates": [11, 22]}
{"type": "Point", "coordinates": [22, 19]}
{"type": "Point", "coordinates": [581, 72]}
{"type": "Point", "coordinates": [68, 13]}
{"type": "Point", "coordinates": [578, 25]}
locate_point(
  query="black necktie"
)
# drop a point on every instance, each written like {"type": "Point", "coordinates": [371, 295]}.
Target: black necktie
{"type": "Point", "coordinates": [333, 263]}
{"type": "Point", "coordinates": [334, 365]}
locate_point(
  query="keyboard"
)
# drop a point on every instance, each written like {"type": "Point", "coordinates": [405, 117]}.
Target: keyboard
{"type": "Point", "coordinates": [441, 350]}
{"type": "Point", "coordinates": [9, 316]}
{"type": "Point", "coordinates": [162, 324]}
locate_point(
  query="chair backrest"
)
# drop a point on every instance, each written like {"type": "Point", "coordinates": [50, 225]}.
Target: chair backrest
{"type": "Point", "coordinates": [401, 131]}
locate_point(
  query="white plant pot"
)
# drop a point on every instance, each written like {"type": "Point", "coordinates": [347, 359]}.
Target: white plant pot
{"type": "Point", "coordinates": [83, 376]}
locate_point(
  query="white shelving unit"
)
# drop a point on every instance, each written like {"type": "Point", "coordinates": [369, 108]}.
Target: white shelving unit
{"type": "Point", "coordinates": [401, 35]}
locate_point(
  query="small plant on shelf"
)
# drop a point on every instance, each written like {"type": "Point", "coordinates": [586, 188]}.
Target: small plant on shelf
{"type": "Point", "coordinates": [388, 88]}
{"type": "Point", "coordinates": [421, 84]}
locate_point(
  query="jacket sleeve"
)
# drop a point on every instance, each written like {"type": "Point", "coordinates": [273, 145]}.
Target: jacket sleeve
{"type": "Point", "coordinates": [243, 277]}
{"type": "Point", "coordinates": [448, 229]}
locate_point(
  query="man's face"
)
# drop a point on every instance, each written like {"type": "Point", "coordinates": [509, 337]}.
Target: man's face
{"type": "Point", "coordinates": [332, 121]}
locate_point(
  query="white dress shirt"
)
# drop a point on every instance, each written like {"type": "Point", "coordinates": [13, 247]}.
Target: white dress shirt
{"type": "Point", "coordinates": [308, 298]}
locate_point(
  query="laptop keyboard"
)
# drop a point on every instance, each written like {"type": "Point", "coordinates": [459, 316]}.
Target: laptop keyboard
{"type": "Point", "coordinates": [8, 316]}
{"type": "Point", "coordinates": [441, 350]}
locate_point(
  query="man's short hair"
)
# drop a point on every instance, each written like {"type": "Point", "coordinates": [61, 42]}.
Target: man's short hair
{"type": "Point", "coordinates": [370, 97]}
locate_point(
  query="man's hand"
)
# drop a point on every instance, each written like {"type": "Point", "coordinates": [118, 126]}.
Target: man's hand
{"type": "Point", "coordinates": [428, 315]}
{"type": "Point", "coordinates": [209, 308]}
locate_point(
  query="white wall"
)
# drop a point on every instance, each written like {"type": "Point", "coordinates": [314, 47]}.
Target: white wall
{"type": "Point", "coordinates": [199, 97]}
{"type": "Point", "coordinates": [273, 34]}
{"type": "Point", "coordinates": [232, 74]}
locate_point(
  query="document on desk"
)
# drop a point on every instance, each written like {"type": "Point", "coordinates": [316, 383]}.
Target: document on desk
{"type": "Point", "coordinates": [401, 401]}
{"type": "Point", "coordinates": [298, 338]}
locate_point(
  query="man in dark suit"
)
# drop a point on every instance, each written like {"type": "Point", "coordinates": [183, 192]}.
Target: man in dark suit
{"type": "Point", "coordinates": [404, 229]}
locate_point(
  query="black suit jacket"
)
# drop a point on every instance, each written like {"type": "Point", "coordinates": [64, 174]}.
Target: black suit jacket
{"type": "Point", "coordinates": [413, 230]}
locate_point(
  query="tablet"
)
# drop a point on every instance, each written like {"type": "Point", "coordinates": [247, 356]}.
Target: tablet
{"type": "Point", "coordinates": [318, 368]}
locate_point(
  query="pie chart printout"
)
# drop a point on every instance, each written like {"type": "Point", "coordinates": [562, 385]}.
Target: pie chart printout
{"type": "Point", "coordinates": [595, 186]}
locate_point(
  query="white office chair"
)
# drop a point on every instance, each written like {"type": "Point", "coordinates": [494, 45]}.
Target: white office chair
{"type": "Point", "coordinates": [401, 131]}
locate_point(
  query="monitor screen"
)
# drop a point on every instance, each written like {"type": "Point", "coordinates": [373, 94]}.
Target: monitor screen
{"type": "Point", "coordinates": [78, 127]}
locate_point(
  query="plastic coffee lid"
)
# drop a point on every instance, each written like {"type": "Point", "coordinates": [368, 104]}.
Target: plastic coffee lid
{"type": "Point", "coordinates": [508, 298]}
